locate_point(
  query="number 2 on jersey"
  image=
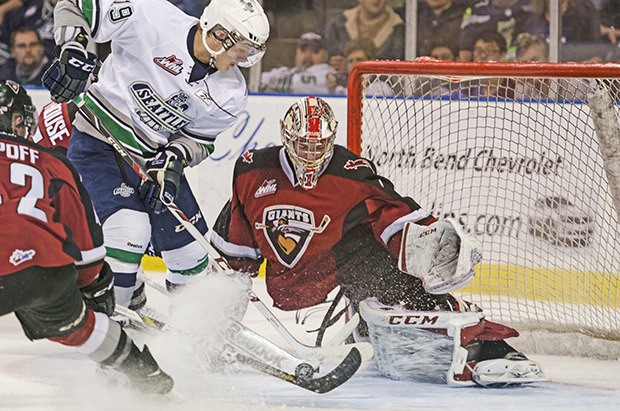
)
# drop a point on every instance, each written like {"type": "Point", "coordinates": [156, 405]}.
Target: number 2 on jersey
{"type": "Point", "coordinates": [27, 204]}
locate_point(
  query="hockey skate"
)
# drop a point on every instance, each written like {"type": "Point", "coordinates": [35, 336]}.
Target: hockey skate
{"type": "Point", "coordinates": [514, 368]}
{"type": "Point", "coordinates": [138, 298]}
{"type": "Point", "coordinates": [144, 373]}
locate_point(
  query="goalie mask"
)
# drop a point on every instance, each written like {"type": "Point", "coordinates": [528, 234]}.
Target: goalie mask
{"type": "Point", "coordinates": [245, 26]}
{"type": "Point", "coordinates": [308, 134]}
{"type": "Point", "coordinates": [17, 113]}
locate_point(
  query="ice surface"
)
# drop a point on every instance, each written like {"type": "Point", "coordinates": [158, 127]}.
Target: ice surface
{"type": "Point", "coordinates": [45, 376]}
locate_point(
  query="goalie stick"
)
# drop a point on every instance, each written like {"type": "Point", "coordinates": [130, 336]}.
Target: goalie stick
{"type": "Point", "coordinates": [331, 351]}
{"type": "Point", "coordinates": [303, 376]}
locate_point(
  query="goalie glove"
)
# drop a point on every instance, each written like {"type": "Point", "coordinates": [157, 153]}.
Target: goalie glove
{"type": "Point", "coordinates": [441, 255]}
{"type": "Point", "coordinates": [99, 295]}
{"type": "Point", "coordinates": [166, 169]}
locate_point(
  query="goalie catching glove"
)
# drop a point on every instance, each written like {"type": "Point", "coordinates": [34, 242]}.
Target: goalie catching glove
{"type": "Point", "coordinates": [441, 255]}
{"type": "Point", "coordinates": [166, 169]}
{"type": "Point", "coordinates": [68, 75]}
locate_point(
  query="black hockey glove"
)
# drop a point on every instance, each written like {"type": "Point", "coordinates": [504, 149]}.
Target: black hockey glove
{"type": "Point", "coordinates": [99, 295]}
{"type": "Point", "coordinates": [68, 75]}
{"type": "Point", "coordinates": [166, 169]}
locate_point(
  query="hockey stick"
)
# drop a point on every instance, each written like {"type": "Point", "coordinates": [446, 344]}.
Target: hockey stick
{"type": "Point", "coordinates": [214, 255]}
{"type": "Point", "coordinates": [320, 385]}
{"type": "Point", "coordinates": [332, 351]}
{"type": "Point", "coordinates": [303, 375]}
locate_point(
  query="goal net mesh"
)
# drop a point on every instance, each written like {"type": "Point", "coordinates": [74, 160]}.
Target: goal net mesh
{"type": "Point", "coordinates": [513, 154]}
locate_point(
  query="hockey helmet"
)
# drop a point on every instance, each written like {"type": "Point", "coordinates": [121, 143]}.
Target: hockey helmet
{"type": "Point", "coordinates": [246, 25]}
{"type": "Point", "coordinates": [17, 113]}
{"type": "Point", "coordinates": [308, 134]}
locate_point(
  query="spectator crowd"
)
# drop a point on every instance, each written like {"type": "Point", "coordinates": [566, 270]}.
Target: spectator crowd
{"type": "Point", "coordinates": [328, 41]}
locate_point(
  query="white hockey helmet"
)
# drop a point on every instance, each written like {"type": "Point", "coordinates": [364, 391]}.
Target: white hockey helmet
{"type": "Point", "coordinates": [308, 134]}
{"type": "Point", "coordinates": [246, 24]}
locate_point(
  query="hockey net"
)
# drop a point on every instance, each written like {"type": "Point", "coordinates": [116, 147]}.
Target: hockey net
{"type": "Point", "coordinates": [527, 158]}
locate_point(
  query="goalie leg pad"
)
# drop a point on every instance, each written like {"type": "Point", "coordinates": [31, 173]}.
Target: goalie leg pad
{"type": "Point", "coordinates": [444, 347]}
{"type": "Point", "coordinates": [440, 254]}
{"type": "Point", "coordinates": [418, 345]}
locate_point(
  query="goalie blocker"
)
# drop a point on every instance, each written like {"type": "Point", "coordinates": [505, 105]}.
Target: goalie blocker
{"type": "Point", "coordinates": [460, 348]}
{"type": "Point", "coordinates": [441, 255]}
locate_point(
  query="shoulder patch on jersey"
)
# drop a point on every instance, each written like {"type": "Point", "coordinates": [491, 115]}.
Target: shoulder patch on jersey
{"type": "Point", "coordinates": [288, 230]}
{"type": "Point", "coordinates": [268, 187]}
{"type": "Point", "coordinates": [247, 157]}
{"type": "Point", "coordinates": [171, 64]}
{"type": "Point", "coordinates": [355, 164]}
{"type": "Point", "coordinates": [20, 256]}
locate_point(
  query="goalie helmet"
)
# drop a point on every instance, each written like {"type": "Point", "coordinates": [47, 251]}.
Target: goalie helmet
{"type": "Point", "coordinates": [308, 134]}
{"type": "Point", "coordinates": [246, 25]}
{"type": "Point", "coordinates": [17, 113]}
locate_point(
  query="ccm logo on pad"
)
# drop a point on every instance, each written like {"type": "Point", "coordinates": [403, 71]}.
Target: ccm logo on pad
{"type": "Point", "coordinates": [412, 319]}
{"type": "Point", "coordinates": [427, 232]}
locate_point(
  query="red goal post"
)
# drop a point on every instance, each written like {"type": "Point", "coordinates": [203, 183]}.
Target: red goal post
{"type": "Point", "coordinates": [526, 156]}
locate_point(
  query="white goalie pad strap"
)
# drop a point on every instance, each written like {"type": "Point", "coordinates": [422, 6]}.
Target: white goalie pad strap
{"type": "Point", "coordinates": [418, 345]}
{"type": "Point", "coordinates": [440, 254]}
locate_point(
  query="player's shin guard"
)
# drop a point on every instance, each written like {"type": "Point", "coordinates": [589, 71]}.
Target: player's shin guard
{"type": "Point", "coordinates": [460, 348]}
{"type": "Point", "coordinates": [185, 265]}
{"type": "Point", "coordinates": [127, 234]}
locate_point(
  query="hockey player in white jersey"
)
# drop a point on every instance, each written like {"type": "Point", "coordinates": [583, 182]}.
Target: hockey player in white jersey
{"type": "Point", "coordinates": [170, 85]}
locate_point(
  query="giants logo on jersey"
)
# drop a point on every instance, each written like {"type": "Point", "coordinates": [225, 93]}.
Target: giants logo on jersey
{"type": "Point", "coordinates": [171, 64]}
{"type": "Point", "coordinates": [288, 230]}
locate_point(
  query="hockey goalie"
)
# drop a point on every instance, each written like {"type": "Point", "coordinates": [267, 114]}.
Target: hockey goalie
{"type": "Point", "coordinates": [322, 218]}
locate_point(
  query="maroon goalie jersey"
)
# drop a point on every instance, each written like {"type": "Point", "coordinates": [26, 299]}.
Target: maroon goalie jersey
{"type": "Point", "coordinates": [46, 216]}
{"type": "Point", "coordinates": [309, 237]}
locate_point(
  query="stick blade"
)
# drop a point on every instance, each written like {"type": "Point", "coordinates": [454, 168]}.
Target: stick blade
{"type": "Point", "coordinates": [336, 377]}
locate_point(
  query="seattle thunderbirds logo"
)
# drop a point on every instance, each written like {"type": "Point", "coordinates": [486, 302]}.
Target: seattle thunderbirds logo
{"type": "Point", "coordinates": [158, 113]}
{"type": "Point", "coordinates": [288, 230]}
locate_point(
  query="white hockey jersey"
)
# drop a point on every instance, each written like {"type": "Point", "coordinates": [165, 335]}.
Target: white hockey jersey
{"type": "Point", "coordinates": [151, 89]}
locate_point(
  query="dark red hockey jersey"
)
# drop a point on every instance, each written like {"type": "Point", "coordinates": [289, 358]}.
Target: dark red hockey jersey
{"type": "Point", "coordinates": [46, 216]}
{"type": "Point", "coordinates": [308, 236]}
{"type": "Point", "coordinates": [54, 129]}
